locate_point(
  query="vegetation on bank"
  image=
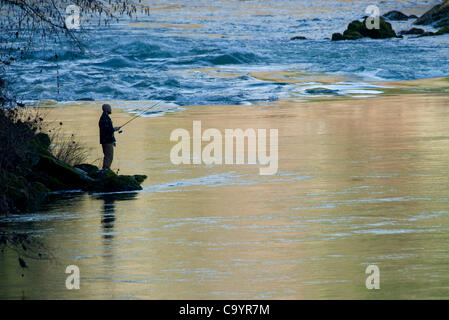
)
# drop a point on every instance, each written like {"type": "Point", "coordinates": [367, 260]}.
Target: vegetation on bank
{"type": "Point", "coordinates": [30, 166]}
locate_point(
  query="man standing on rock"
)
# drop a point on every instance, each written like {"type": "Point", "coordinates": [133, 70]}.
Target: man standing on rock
{"type": "Point", "coordinates": [107, 139]}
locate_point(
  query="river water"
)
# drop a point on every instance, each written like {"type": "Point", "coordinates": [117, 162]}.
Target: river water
{"type": "Point", "coordinates": [362, 176]}
{"type": "Point", "coordinates": [358, 184]}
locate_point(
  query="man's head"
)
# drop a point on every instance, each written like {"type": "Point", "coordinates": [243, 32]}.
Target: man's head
{"type": "Point", "coordinates": [107, 108]}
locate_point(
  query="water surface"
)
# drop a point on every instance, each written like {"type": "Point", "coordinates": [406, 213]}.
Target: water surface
{"type": "Point", "coordinates": [358, 184]}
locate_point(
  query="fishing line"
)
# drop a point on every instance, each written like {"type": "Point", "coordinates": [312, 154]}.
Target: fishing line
{"type": "Point", "coordinates": [137, 116]}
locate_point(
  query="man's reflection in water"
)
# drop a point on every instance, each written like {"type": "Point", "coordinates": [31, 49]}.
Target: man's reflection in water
{"type": "Point", "coordinates": [108, 216]}
{"type": "Point", "coordinates": [108, 213]}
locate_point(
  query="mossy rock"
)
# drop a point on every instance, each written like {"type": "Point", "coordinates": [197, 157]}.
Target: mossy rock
{"type": "Point", "coordinates": [385, 30]}
{"type": "Point", "coordinates": [428, 34]}
{"type": "Point", "coordinates": [414, 31]}
{"type": "Point", "coordinates": [38, 188]}
{"type": "Point", "coordinates": [358, 29]}
{"type": "Point", "coordinates": [337, 37]}
{"type": "Point", "coordinates": [140, 178]}
{"type": "Point", "coordinates": [298, 38]}
{"type": "Point", "coordinates": [444, 30]}
{"type": "Point", "coordinates": [22, 195]}
{"type": "Point", "coordinates": [43, 140]}
{"type": "Point", "coordinates": [90, 169]}
{"type": "Point", "coordinates": [111, 182]}
{"type": "Point", "coordinates": [396, 16]}
{"type": "Point", "coordinates": [352, 35]}
{"type": "Point", "coordinates": [437, 16]}
{"type": "Point", "coordinates": [51, 182]}
{"type": "Point", "coordinates": [356, 25]}
{"type": "Point", "coordinates": [66, 174]}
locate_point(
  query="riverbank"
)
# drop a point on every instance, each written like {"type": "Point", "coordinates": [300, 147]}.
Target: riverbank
{"type": "Point", "coordinates": [30, 172]}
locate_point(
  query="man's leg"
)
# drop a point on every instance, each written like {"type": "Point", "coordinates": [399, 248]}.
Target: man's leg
{"type": "Point", "coordinates": [108, 151]}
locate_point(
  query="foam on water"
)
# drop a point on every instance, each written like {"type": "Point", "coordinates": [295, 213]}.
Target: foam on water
{"type": "Point", "coordinates": [152, 59]}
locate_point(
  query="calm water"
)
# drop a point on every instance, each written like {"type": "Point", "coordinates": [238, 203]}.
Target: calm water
{"type": "Point", "coordinates": [358, 184]}
{"type": "Point", "coordinates": [360, 181]}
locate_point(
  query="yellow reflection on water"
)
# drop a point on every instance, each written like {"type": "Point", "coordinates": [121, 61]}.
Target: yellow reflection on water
{"type": "Point", "coordinates": [360, 182]}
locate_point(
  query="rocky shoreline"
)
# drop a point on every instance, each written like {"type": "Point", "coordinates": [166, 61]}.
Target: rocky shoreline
{"type": "Point", "coordinates": [437, 17]}
{"type": "Point", "coordinates": [46, 174]}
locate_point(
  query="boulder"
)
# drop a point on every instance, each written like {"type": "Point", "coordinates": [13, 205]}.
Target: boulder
{"type": "Point", "coordinates": [395, 16]}
{"type": "Point", "coordinates": [438, 16]}
{"type": "Point", "coordinates": [428, 34]}
{"type": "Point", "coordinates": [337, 36]}
{"type": "Point", "coordinates": [321, 91]}
{"type": "Point", "coordinates": [140, 178]}
{"type": "Point", "coordinates": [67, 175]}
{"type": "Point", "coordinates": [352, 35]}
{"type": "Point", "coordinates": [443, 30]}
{"type": "Point", "coordinates": [416, 31]}
{"type": "Point", "coordinates": [298, 38]}
{"type": "Point", "coordinates": [90, 169]}
{"type": "Point", "coordinates": [358, 29]}
{"type": "Point", "coordinates": [108, 181]}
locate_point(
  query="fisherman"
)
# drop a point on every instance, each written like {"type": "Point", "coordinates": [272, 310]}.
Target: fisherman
{"type": "Point", "coordinates": [107, 139]}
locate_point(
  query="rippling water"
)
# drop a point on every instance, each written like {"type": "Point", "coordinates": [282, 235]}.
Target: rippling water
{"type": "Point", "coordinates": [158, 57]}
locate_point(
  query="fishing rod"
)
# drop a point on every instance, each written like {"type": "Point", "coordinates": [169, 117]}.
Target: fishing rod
{"type": "Point", "coordinates": [135, 117]}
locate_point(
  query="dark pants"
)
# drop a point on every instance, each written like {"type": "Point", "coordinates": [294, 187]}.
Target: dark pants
{"type": "Point", "coordinates": [108, 151]}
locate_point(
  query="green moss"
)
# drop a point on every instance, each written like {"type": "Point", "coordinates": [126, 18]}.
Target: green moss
{"type": "Point", "coordinates": [357, 30]}
{"type": "Point", "coordinates": [38, 188]}
{"type": "Point", "coordinates": [356, 26]}
{"type": "Point", "coordinates": [337, 37]}
{"type": "Point", "coordinates": [140, 178]}
{"type": "Point", "coordinates": [90, 169]}
{"type": "Point", "coordinates": [351, 35]}
{"type": "Point", "coordinates": [60, 170]}
{"type": "Point", "coordinates": [442, 31]}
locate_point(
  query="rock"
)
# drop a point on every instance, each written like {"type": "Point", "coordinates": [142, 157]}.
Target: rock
{"type": "Point", "coordinates": [357, 30]}
{"type": "Point", "coordinates": [438, 16]}
{"type": "Point", "coordinates": [428, 34]}
{"type": "Point", "coordinates": [50, 182]}
{"type": "Point", "coordinates": [61, 171]}
{"type": "Point", "coordinates": [321, 91]}
{"type": "Point", "coordinates": [140, 178]}
{"type": "Point", "coordinates": [22, 194]}
{"type": "Point", "coordinates": [443, 30]}
{"type": "Point", "coordinates": [352, 35]}
{"type": "Point", "coordinates": [57, 175]}
{"type": "Point", "coordinates": [416, 31]}
{"type": "Point", "coordinates": [298, 38]}
{"type": "Point", "coordinates": [43, 140]}
{"type": "Point", "coordinates": [108, 181]}
{"type": "Point", "coordinates": [337, 36]}
{"type": "Point", "coordinates": [395, 16]}
{"type": "Point", "coordinates": [412, 16]}
{"type": "Point", "coordinates": [90, 169]}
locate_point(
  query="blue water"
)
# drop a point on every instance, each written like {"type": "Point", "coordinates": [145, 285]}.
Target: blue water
{"type": "Point", "coordinates": [156, 61]}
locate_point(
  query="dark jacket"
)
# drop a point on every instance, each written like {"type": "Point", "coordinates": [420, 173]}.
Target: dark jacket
{"type": "Point", "coordinates": [106, 129]}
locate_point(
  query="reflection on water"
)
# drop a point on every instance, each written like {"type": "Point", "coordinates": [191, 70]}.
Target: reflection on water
{"type": "Point", "coordinates": [358, 184]}
{"type": "Point", "coordinates": [108, 214]}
